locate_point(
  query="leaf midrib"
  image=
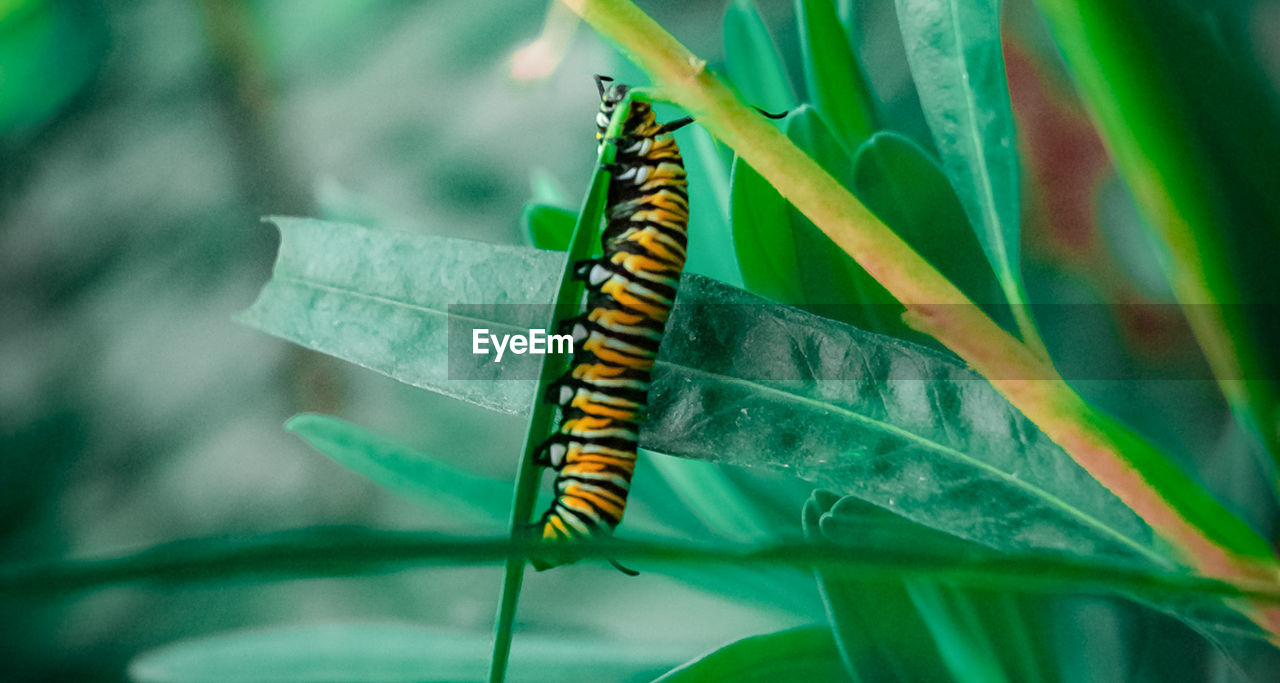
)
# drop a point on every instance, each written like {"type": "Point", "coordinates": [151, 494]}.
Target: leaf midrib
{"type": "Point", "coordinates": [314, 284]}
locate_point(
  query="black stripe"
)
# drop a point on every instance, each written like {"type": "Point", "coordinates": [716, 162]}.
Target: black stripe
{"type": "Point", "coordinates": [619, 491]}
{"type": "Point", "coordinates": [618, 227]}
{"type": "Point", "coordinates": [666, 292]}
{"type": "Point", "coordinates": [592, 524]}
{"type": "Point", "coordinates": [636, 396]}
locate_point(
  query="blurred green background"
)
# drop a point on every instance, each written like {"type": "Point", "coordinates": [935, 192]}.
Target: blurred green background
{"type": "Point", "coordinates": [140, 143]}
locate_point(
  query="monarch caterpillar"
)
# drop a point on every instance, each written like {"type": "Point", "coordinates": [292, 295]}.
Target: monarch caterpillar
{"type": "Point", "coordinates": [603, 396]}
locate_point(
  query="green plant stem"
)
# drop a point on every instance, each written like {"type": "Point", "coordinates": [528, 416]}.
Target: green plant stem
{"type": "Point", "coordinates": [567, 302]}
{"type": "Point", "coordinates": [1208, 536]}
{"type": "Point", "coordinates": [1119, 79]}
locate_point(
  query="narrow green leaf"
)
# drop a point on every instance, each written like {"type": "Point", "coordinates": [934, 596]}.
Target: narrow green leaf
{"type": "Point", "coordinates": [745, 382]}
{"type": "Point", "coordinates": [546, 226]}
{"type": "Point", "coordinates": [49, 51]}
{"type": "Point", "coordinates": [903, 186]}
{"type": "Point", "coordinates": [954, 50]}
{"type": "Point", "coordinates": [403, 470]}
{"type": "Point", "coordinates": [353, 551]}
{"type": "Point", "coordinates": [805, 653]}
{"type": "Point", "coordinates": [961, 636]}
{"type": "Point", "coordinates": [752, 60]}
{"type": "Point", "coordinates": [568, 297]}
{"type": "Point", "coordinates": [381, 300]}
{"type": "Point", "coordinates": [876, 630]}
{"type": "Point", "coordinates": [960, 621]}
{"type": "Point", "coordinates": [762, 236]}
{"type": "Point", "coordinates": [710, 241]}
{"type": "Point", "coordinates": [714, 169]}
{"type": "Point", "coordinates": [834, 285]}
{"type": "Point", "coordinates": [836, 84]}
{"type": "Point", "coordinates": [711, 497]}
{"type": "Point", "coordinates": [955, 624]}
{"type": "Point", "coordinates": [388, 652]}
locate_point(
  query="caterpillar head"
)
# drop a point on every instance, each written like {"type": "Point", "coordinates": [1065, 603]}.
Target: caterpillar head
{"type": "Point", "coordinates": [610, 96]}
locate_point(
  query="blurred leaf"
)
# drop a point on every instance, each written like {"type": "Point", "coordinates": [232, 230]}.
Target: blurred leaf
{"type": "Point", "coordinates": [956, 623]}
{"type": "Point", "coordinates": [340, 204]}
{"type": "Point", "coordinates": [403, 470]}
{"type": "Point", "coordinates": [355, 551]}
{"type": "Point", "coordinates": [698, 488]}
{"type": "Point", "coordinates": [953, 47]}
{"type": "Point", "coordinates": [547, 190]}
{"type": "Point", "coordinates": [710, 242]}
{"type": "Point", "coordinates": [390, 652]}
{"type": "Point", "coordinates": [49, 51]}
{"type": "Point", "coordinates": [836, 84]}
{"type": "Point", "coordinates": [960, 635]}
{"type": "Point", "coordinates": [834, 285]}
{"type": "Point", "coordinates": [848, 12]}
{"type": "Point", "coordinates": [903, 186]}
{"type": "Point", "coordinates": [762, 236]}
{"type": "Point", "coordinates": [547, 227]}
{"type": "Point", "coordinates": [746, 382]}
{"type": "Point", "coordinates": [876, 630]}
{"type": "Point", "coordinates": [959, 619]}
{"type": "Point", "coordinates": [1142, 257]}
{"type": "Point", "coordinates": [381, 300]}
{"type": "Point", "coordinates": [1190, 121]}
{"type": "Point", "coordinates": [752, 60]}
{"type": "Point", "coordinates": [805, 653]}
{"type": "Point", "coordinates": [713, 171]}
{"type": "Point", "coordinates": [711, 497]}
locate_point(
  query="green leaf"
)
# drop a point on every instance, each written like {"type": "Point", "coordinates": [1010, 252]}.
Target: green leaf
{"type": "Point", "coordinates": [762, 237]}
{"type": "Point", "coordinates": [953, 48]}
{"type": "Point", "coordinates": [955, 624]}
{"type": "Point", "coordinates": [752, 60]}
{"type": "Point", "coordinates": [1190, 123]}
{"type": "Point", "coordinates": [834, 285]}
{"type": "Point", "coordinates": [335, 202]}
{"type": "Point", "coordinates": [708, 495]}
{"type": "Point", "coordinates": [547, 190]}
{"type": "Point", "coordinates": [710, 240]}
{"type": "Point", "coordinates": [958, 630]}
{"type": "Point", "coordinates": [547, 227]}
{"type": "Point", "coordinates": [567, 301]}
{"type": "Point", "coordinates": [950, 451]}
{"type": "Point", "coordinates": [836, 84]}
{"type": "Point", "coordinates": [745, 382]}
{"type": "Point", "coordinates": [381, 300]}
{"type": "Point", "coordinates": [877, 629]}
{"type": "Point", "coordinates": [903, 186]}
{"type": "Point", "coordinates": [49, 51]}
{"type": "Point", "coordinates": [389, 652]}
{"type": "Point", "coordinates": [805, 653]}
{"type": "Point", "coordinates": [960, 620]}
{"type": "Point", "coordinates": [353, 551]}
{"type": "Point", "coordinates": [404, 470]}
